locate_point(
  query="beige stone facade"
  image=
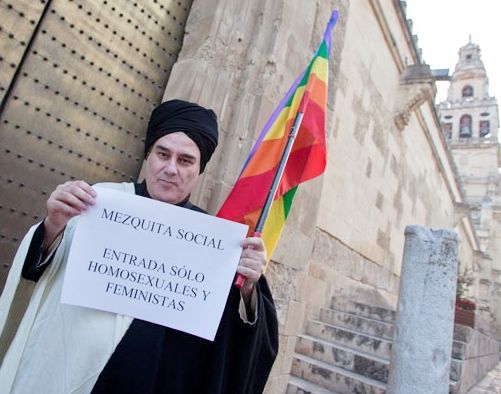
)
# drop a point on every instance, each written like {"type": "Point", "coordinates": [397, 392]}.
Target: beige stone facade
{"type": "Point", "coordinates": [389, 164]}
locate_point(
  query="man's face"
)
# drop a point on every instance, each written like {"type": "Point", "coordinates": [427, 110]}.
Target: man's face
{"type": "Point", "coordinates": [172, 168]}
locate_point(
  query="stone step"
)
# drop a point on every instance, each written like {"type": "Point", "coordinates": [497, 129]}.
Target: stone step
{"type": "Point", "coordinates": [355, 340]}
{"type": "Point", "coordinates": [463, 333]}
{"type": "Point", "coordinates": [299, 386]}
{"type": "Point", "coordinates": [454, 388]}
{"type": "Point", "coordinates": [459, 350]}
{"type": "Point", "coordinates": [455, 370]}
{"type": "Point", "coordinates": [354, 360]}
{"type": "Point", "coordinates": [361, 309]}
{"type": "Point", "coordinates": [340, 356]}
{"type": "Point", "coordinates": [333, 378]}
{"type": "Point", "coordinates": [356, 322]}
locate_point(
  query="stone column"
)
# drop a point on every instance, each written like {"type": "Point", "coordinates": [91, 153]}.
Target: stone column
{"type": "Point", "coordinates": [422, 344]}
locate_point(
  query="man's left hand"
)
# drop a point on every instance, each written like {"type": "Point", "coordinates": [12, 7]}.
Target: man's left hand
{"type": "Point", "coordinates": [251, 264]}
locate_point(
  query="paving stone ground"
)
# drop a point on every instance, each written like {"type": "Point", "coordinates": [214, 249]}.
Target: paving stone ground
{"type": "Point", "coordinates": [491, 384]}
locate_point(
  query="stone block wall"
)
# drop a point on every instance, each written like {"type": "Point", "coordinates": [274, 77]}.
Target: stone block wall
{"type": "Point", "coordinates": [240, 59]}
{"type": "Point", "coordinates": [474, 354]}
{"type": "Point", "coordinates": [379, 179]}
{"type": "Point", "coordinates": [345, 234]}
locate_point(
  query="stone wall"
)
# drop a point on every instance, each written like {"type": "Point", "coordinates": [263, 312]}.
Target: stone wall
{"type": "Point", "coordinates": [239, 58]}
{"type": "Point", "coordinates": [345, 233]}
{"type": "Point", "coordinates": [474, 354]}
{"type": "Point", "coordinates": [478, 161]}
{"type": "Point", "coordinates": [379, 178]}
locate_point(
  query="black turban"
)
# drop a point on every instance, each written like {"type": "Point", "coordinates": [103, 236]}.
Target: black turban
{"type": "Point", "coordinates": [198, 123]}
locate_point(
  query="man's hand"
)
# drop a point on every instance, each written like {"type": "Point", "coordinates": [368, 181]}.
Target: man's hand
{"type": "Point", "coordinates": [251, 265]}
{"type": "Point", "coordinates": [66, 201]}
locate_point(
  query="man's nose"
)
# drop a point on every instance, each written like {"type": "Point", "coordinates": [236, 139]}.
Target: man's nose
{"type": "Point", "coordinates": [171, 167]}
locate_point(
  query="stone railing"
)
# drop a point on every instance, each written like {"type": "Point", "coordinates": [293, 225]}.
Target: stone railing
{"type": "Point", "coordinates": [473, 141]}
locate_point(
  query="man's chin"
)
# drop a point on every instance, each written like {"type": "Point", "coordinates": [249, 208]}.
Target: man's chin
{"type": "Point", "coordinates": [164, 196]}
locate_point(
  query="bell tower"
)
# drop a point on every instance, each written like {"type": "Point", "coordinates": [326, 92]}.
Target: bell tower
{"type": "Point", "coordinates": [470, 123]}
{"type": "Point", "coordinates": [469, 115]}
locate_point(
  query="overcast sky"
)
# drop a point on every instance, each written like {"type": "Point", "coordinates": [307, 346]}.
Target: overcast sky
{"type": "Point", "coordinates": [443, 26]}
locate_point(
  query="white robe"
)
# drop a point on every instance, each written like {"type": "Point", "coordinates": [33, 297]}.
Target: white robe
{"type": "Point", "coordinates": [58, 348]}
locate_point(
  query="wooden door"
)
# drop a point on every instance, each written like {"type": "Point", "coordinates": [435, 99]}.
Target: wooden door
{"type": "Point", "coordinates": [78, 79]}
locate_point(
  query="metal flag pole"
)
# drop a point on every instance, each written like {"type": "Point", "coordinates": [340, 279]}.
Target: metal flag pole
{"type": "Point", "coordinates": [240, 279]}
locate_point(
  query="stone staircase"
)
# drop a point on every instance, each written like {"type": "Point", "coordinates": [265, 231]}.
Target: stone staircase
{"type": "Point", "coordinates": [348, 350]}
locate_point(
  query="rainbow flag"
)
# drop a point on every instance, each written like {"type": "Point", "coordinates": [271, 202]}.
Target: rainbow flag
{"type": "Point", "coordinates": [307, 159]}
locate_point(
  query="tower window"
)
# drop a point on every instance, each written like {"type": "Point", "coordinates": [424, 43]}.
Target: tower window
{"type": "Point", "coordinates": [467, 91]}
{"type": "Point", "coordinates": [447, 129]}
{"type": "Point", "coordinates": [465, 126]}
{"type": "Point", "coordinates": [484, 127]}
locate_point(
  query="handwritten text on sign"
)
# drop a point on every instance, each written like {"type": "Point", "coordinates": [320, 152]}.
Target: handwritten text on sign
{"type": "Point", "coordinates": [153, 261]}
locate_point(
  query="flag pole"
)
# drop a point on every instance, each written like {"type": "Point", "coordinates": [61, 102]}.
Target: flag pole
{"type": "Point", "coordinates": [240, 279]}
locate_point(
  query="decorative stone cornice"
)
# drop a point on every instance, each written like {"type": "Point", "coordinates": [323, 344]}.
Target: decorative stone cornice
{"type": "Point", "coordinates": [416, 87]}
{"type": "Point", "coordinates": [461, 210]}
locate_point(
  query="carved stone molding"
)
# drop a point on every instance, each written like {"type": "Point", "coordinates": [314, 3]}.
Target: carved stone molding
{"type": "Point", "coordinates": [416, 87]}
{"type": "Point", "coordinates": [461, 210]}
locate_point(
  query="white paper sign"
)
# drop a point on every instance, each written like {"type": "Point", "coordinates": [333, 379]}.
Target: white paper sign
{"type": "Point", "coordinates": [153, 261]}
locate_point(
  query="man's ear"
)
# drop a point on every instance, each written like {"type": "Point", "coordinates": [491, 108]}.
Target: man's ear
{"type": "Point", "coordinates": [141, 175]}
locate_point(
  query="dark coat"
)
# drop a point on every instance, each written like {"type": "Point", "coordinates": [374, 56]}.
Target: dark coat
{"type": "Point", "coordinates": [154, 359]}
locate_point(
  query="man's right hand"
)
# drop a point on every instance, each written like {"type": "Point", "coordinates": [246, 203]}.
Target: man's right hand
{"type": "Point", "coordinates": [66, 201]}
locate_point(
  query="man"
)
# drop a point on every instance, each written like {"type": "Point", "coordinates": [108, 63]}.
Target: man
{"type": "Point", "coordinates": [68, 349]}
